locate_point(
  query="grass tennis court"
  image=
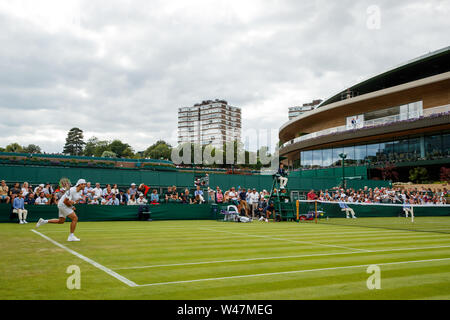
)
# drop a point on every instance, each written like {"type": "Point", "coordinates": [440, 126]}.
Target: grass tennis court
{"type": "Point", "coordinates": [221, 261]}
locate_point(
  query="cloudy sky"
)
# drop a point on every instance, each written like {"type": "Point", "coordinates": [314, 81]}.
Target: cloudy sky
{"type": "Point", "coordinates": [121, 69]}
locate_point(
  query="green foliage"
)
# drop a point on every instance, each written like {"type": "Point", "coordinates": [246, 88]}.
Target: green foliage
{"type": "Point", "coordinates": [74, 142]}
{"type": "Point", "coordinates": [418, 175]}
{"type": "Point", "coordinates": [14, 147]}
{"type": "Point", "coordinates": [32, 148]}
{"type": "Point", "coordinates": [95, 147]}
{"type": "Point", "coordinates": [160, 149]}
{"type": "Point", "coordinates": [109, 154]}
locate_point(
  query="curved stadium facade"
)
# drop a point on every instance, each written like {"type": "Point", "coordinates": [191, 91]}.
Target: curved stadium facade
{"type": "Point", "coordinates": [401, 116]}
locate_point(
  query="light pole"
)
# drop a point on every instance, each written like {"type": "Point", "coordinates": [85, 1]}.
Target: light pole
{"type": "Point", "coordinates": [343, 156]}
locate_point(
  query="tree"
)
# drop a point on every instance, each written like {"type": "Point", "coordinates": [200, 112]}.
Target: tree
{"type": "Point", "coordinates": [389, 173]}
{"type": "Point", "coordinates": [109, 154]}
{"type": "Point", "coordinates": [32, 148]}
{"type": "Point", "coordinates": [160, 149]}
{"type": "Point", "coordinates": [14, 147]}
{"type": "Point", "coordinates": [445, 174]}
{"type": "Point", "coordinates": [122, 150]}
{"type": "Point", "coordinates": [74, 142]}
{"type": "Point", "coordinates": [418, 175]}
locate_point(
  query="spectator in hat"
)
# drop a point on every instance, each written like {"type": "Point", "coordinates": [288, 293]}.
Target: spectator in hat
{"type": "Point", "coordinates": [133, 190]}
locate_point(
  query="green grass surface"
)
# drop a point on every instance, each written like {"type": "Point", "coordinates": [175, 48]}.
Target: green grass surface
{"type": "Point", "coordinates": [214, 260]}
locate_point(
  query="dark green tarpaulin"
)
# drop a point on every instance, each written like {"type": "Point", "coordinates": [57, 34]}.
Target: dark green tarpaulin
{"type": "Point", "coordinates": [332, 210]}
{"type": "Point", "coordinates": [171, 211]}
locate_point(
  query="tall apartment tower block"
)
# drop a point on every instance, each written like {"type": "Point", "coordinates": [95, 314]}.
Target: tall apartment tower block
{"type": "Point", "coordinates": [210, 122]}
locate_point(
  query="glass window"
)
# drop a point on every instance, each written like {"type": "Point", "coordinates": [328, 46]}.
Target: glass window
{"type": "Point", "coordinates": [383, 153]}
{"type": "Point", "coordinates": [413, 149]}
{"type": "Point", "coordinates": [433, 147]}
{"type": "Point", "coordinates": [336, 158]}
{"type": "Point", "coordinates": [401, 150]}
{"type": "Point", "coordinates": [360, 154]}
{"type": "Point", "coordinates": [327, 157]}
{"type": "Point", "coordinates": [350, 152]}
{"type": "Point", "coordinates": [307, 160]}
{"type": "Point", "coordinates": [446, 145]}
{"type": "Point", "coordinates": [389, 150]}
{"type": "Point", "coordinates": [317, 159]}
{"type": "Point", "coordinates": [373, 153]}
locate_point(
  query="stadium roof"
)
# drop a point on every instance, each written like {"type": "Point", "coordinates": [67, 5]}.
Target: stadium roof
{"type": "Point", "coordinates": [422, 67]}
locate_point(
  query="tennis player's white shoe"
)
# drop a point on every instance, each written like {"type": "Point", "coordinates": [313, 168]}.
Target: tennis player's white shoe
{"type": "Point", "coordinates": [72, 238]}
{"type": "Point", "coordinates": [40, 222]}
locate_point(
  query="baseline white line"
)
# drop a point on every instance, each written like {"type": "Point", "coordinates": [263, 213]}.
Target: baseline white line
{"type": "Point", "coordinates": [288, 240]}
{"type": "Point", "coordinates": [289, 272]}
{"type": "Point", "coordinates": [277, 258]}
{"type": "Point", "coordinates": [90, 261]}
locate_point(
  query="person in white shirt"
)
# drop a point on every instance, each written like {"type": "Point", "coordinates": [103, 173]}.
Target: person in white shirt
{"type": "Point", "coordinates": [39, 189]}
{"type": "Point", "coordinates": [97, 191]}
{"type": "Point", "coordinates": [66, 208]}
{"type": "Point", "coordinates": [132, 200]}
{"type": "Point", "coordinates": [141, 200]}
{"type": "Point", "coordinates": [41, 200]}
{"type": "Point", "coordinates": [254, 200]}
{"type": "Point", "coordinates": [25, 190]}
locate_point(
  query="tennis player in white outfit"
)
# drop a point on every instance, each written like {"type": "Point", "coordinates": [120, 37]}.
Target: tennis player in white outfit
{"type": "Point", "coordinates": [66, 208]}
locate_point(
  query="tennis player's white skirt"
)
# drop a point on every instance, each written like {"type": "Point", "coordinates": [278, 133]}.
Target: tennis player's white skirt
{"type": "Point", "coordinates": [64, 211]}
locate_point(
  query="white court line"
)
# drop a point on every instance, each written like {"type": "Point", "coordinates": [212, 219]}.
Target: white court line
{"type": "Point", "coordinates": [277, 258]}
{"type": "Point", "coordinates": [288, 240]}
{"type": "Point", "coordinates": [92, 262]}
{"type": "Point", "coordinates": [289, 272]}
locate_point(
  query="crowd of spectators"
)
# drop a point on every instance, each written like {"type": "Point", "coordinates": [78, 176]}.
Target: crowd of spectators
{"type": "Point", "coordinates": [395, 195]}
{"type": "Point", "coordinates": [248, 199]}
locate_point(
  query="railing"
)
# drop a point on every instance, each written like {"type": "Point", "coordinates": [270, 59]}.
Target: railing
{"type": "Point", "coordinates": [370, 123]}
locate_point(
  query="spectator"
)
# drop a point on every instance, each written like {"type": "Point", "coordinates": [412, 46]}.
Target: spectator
{"type": "Point", "coordinates": [219, 196]}
{"type": "Point", "coordinates": [141, 200]}
{"type": "Point", "coordinates": [19, 208]}
{"type": "Point", "coordinates": [133, 190]}
{"type": "Point", "coordinates": [30, 199]}
{"type": "Point", "coordinates": [14, 191]}
{"type": "Point", "coordinates": [115, 189]}
{"type": "Point", "coordinates": [311, 195]}
{"type": "Point", "coordinates": [54, 200]}
{"type": "Point", "coordinates": [154, 197]}
{"type": "Point", "coordinates": [233, 196]}
{"type": "Point", "coordinates": [88, 192]}
{"type": "Point", "coordinates": [199, 196]}
{"type": "Point", "coordinates": [39, 189]}
{"type": "Point", "coordinates": [25, 189]}
{"type": "Point", "coordinates": [113, 201]}
{"type": "Point", "coordinates": [97, 192]}
{"type": "Point", "coordinates": [187, 197]}
{"type": "Point", "coordinates": [41, 200]}
{"type": "Point", "coordinates": [168, 194]}
{"type": "Point", "coordinates": [4, 191]}
{"type": "Point", "coordinates": [132, 200]}
{"type": "Point", "coordinates": [143, 189]}
{"type": "Point", "coordinates": [123, 198]}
